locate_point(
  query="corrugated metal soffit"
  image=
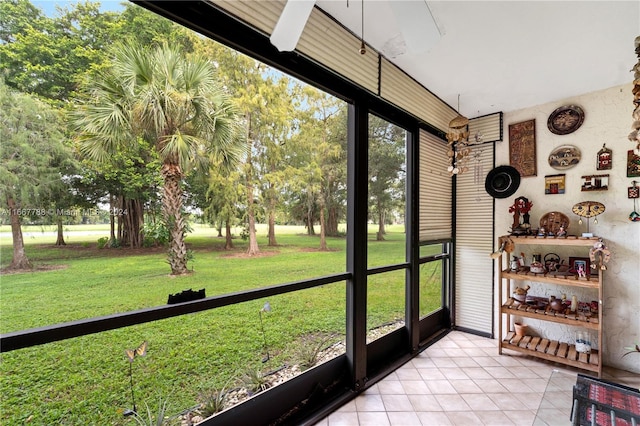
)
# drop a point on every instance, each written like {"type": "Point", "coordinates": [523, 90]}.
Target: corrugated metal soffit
{"type": "Point", "coordinates": [474, 244]}
{"type": "Point", "coordinates": [401, 90]}
{"type": "Point", "coordinates": [435, 189]}
{"type": "Point", "coordinates": [487, 128]}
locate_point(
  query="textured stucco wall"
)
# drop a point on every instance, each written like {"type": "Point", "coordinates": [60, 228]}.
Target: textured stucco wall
{"type": "Point", "coordinates": [607, 120]}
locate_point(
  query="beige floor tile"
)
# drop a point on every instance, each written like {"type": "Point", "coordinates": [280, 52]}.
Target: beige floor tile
{"type": "Point", "coordinates": [452, 402]}
{"type": "Point", "coordinates": [551, 417]}
{"type": "Point", "coordinates": [323, 422]}
{"type": "Point", "coordinates": [531, 401]}
{"type": "Point", "coordinates": [372, 390]}
{"type": "Point", "coordinates": [434, 418]}
{"type": "Point", "coordinates": [396, 403]}
{"type": "Point", "coordinates": [391, 387]}
{"type": "Point", "coordinates": [479, 402]}
{"type": "Point", "coordinates": [521, 417]}
{"type": "Point", "coordinates": [537, 385]}
{"type": "Point", "coordinates": [415, 387]}
{"type": "Point", "coordinates": [475, 352]}
{"type": "Point", "coordinates": [515, 385]}
{"type": "Point", "coordinates": [424, 362]}
{"type": "Point", "coordinates": [428, 374]}
{"type": "Point", "coordinates": [465, 362]}
{"type": "Point", "coordinates": [490, 386]}
{"type": "Point", "coordinates": [506, 401]}
{"type": "Point", "coordinates": [500, 372]}
{"type": "Point", "coordinates": [343, 419]}
{"type": "Point", "coordinates": [495, 418]}
{"type": "Point", "coordinates": [373, 419]}
{"type": "Point", "coordinates": [508, 361]}
{"type": "Point", "coordinates": [453, 373]}
{"type": "Point", "coordinates": [441, 387]}
{"type": "Point", "coordinates": [403, 418]}
{"type": "Point", "coordinates": [349, 406]}
{"type": "Point", "coordinates": [369, 403]}
{"type": "Point", "coordinates": [408, 373]}
{"type": "Point", "coordinates": [465, 386]}
{"type": "Point", "coordinates": [444, 362]}
{"type": "Point", "coordinates": [463, 418]}
{"type": "Point", "coordinates": [424, 403]}
{"type": "Point", "coordinates": [487, 361]}
{"type": "Point", "coordinates": [477, 373]}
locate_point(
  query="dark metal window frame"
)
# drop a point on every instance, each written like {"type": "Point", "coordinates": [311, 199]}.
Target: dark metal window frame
{"type": "Point", "coordinates": [331, 384]}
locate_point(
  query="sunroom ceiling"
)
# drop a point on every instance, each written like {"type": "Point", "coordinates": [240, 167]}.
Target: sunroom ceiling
{"type": "Point", "coordinates": [505, 55]}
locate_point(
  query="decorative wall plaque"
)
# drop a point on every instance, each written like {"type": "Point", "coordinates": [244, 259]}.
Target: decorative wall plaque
{"type": "Point", "coordinates": [522, 147]}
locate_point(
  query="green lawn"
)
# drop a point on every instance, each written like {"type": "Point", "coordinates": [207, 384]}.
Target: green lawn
{"type": "Point", "coordinates": [85, 380]}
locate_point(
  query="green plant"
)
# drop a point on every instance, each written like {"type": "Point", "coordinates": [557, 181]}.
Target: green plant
{"type": "Point", "coordinates": [213, 401]}
{"type": "Point", "coordinates": [160, 418]}
{"type": "Point", "coordinates": [311, 347]}
{"type": "Point", "coordinates": [255, 381]}
{"type": "Point", "coordinates": [155, 234]}
{"type": "Point", "coordinates": [102, 242]}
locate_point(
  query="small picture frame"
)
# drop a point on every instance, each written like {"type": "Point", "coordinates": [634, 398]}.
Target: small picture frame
{"type": "Point", "coordinates": [554, 184]}
{"type": "Point", "coordinates": [580, 266]}
{"type": "Point", "coordinates": [604, 160]}
{"type": "Point", "coordinates": [633, 164]}
{"type": "Point", "coordinates": [595, 183]}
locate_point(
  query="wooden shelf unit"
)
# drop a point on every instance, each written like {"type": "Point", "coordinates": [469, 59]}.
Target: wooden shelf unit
{"type": "Point", "coordinates": [540, 347]}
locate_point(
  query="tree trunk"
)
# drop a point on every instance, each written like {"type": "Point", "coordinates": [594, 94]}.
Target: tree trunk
{"type": "Point", "coordinates": [112, 221]}
{"type": "Point", "coordinates": [253, 249]}
{"type": "Point", "coordinates": [172, 213]}
{"type": "Point", "coordinates": [381, 231]}
{"type": "Point", "coordinates": [60, 239]}
{"type": "Point", "coordinates": [228, 245]}
{"type": "Point", "coordinates": [323, 239]}
{"type": "Point", "coordinates": [132, 215]}
{"type": "Point", "coordinates": [20, 260]}
{"type": "Point", "coordinates": [272, 225]}
{"type": "Point", "coordinates": [332, 221]}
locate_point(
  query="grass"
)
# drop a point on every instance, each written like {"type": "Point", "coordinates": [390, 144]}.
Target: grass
{"type": "Point", "coordinates": [85, 380]}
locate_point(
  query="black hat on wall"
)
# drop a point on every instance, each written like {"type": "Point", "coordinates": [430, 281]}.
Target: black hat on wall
{"type": "Point", "coordinates": [502, 182]}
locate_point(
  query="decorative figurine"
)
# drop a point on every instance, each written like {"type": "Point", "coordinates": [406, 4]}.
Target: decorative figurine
{"type": "Point", "coordinates": [521, 207]}
{"type": "Point", "coordinates": [561, 231]}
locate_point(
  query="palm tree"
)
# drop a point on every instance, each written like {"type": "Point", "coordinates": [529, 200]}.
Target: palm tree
{"type": "Point", "coordinates": [173, 102]}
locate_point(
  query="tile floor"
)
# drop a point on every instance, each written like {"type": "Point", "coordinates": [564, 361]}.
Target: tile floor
{"type": "Point", "coordinates": [461, 380]}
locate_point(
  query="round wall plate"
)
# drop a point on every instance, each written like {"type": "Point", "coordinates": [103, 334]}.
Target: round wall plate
{"type": "Point", "coordinates": [552, 222]}
{"type": "Point", "coordinates": [566, 119]}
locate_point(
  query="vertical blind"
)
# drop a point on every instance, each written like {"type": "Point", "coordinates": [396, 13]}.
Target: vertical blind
{"type": "Point", "coordinates": [435, 189]}
{"type": "Point", "coordinates": [474, 244]}
{"type": "Point", "coordinates": [329, 44]}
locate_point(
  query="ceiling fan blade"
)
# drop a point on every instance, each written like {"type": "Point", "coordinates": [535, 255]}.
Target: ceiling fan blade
{"type": "Point", "coordinates": [289, 27]}
{"type": "Point", "coordinates": [419, 29]}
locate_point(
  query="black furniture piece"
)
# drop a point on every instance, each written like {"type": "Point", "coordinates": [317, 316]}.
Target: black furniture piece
{"type": "Point", "coordinates": [603, 403]}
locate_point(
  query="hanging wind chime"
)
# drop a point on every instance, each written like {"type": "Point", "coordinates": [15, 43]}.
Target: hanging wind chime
{"type": "Point", "coordinates": [458, 139]}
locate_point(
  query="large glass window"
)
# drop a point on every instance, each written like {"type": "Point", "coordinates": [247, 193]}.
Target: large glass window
{"type": "Point", "coordinates": [387, 188]}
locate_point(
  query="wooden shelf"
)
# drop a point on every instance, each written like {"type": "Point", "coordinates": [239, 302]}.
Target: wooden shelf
{"type": "Point", "coordinates": [552, 350]}
{"type": "Point", "coordinates": [556, 241]}
{"type": "Point", "coordinates": [541, 347]}
{"type": "Point", "coordinates": [572, 280]}
{"type": "Point", "coordinates": [547, 314]}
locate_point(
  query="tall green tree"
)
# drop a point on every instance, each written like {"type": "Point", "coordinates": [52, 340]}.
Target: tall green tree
{"type": "Point", "coordinates": [49, 55]}
{"type": "Point", "coordinates": [33, 153]}
{"type": "Point", "coordinates": [386, 171]}
{"type": "Point", "coordinates": [174, 102]}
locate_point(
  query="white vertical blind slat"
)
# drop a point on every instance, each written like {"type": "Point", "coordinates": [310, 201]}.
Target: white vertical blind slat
{"type": "Point", "coordinates": [474, 243]}
{"type": "Point", "coordinates": [435, 189]}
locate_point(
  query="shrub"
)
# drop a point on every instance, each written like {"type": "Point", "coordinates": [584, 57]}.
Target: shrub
{"type": "Point", "coordinates": [102, 242]}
